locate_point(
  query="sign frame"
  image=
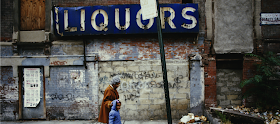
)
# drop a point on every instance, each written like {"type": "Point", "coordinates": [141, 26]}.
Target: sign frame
{"type": "Point", "coordinates": [77, 21]}
{"type": "Point", "coordinates": [269, 18]}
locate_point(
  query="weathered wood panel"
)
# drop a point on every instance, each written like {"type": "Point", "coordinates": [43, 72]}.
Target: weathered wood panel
{"type": "Point", "coordinates": [32, 16]}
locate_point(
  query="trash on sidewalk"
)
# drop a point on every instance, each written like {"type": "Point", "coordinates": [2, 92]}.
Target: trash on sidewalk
{"type": "Point", "coordinates": [190, 118]}
{"type": "Point", "coordinates": [241, 114]}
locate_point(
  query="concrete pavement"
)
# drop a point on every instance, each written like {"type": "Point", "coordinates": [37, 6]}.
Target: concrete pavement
{"type": "Point", "coordinates": [88, 122]}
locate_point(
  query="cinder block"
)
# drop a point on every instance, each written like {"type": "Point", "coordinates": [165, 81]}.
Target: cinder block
{"type": "Point", "coordinates": [128, 102]}
{"type": "Point", "coordinates": [181, 96]}
{"type": "Point", "coordinates": [159, 112]}
{"type": "Point", "coordinates": [221, 97]}
{"type": "Point", "coordinates": [174, 101]}
{"type": "Point", "coordinates": [182, 106]}
{"type": "Point", "coordinates": [155, 106]}
{"type": "Point", "coordinates": [117, 63]}
{"type": "Point", "coordinates": [171, 68]}
{"type": "Point", "coordinates": [131, 107]}
{"type": "Point", "coordinates": [232, 97]}
{"type": "Point", "coordinates": [184, 101]}
{"type": "Point", "coordinates": [170, 75]}
{"type": "Point", "coordinates": [159, 101]}
{"type": "Point", "coordinates": [220, 84]}
{"type": "Point", "coordinates": [157, 68]}
{"type": "Point", "coordinates": [156, 63]}
{"type": "Point", "coordinates": [157, 95]}
{"type": "Point", "coordinates": [145, 101]}
{"type": "Point", "coordinates": [129, 63]}
{"type": "Point", "coordinates": [184, 90]}
{"type": "Point", "coordinates": [106, 69]}
{"type": "Point", "coordinates": [145, 68]}
{"type": "Point", "coordinates": [104, 75]}
{"type": "Point", "coordinates": [104, 64]}
{"type": "Point", "coordinates": [230, 84]}
{"type": "Point", "coordinates": [173, 106]}
{"type": "Point", "coordinates": [224, 102]}
{"type": "Point", "coordinates": [158, 90]}
{"type": "Point", "coordinates": [236, 79]}
{"type": "Point", "coordinates": [119, 69]}
{"type": "Point", "coordinates": [172, 90]}
{"type": "Point", "coordinates": [183, 70]}
{"type": "Point", "coordinates": [145, 90]}
{"type": "Point", "coordinates": [174, 113]}
{"type": "Point", "coordinates": [133, 68]}
{"type": "Point", "coordinates": [132, 113]}
{"type": "Point", "coordinates": [144, 96]}
{"type": "Point", "coordinates": [224, 89]}
{"type": "Point", "coordinates": [143, 106]}
{"type": "Point", "coordinates": [236, 102]}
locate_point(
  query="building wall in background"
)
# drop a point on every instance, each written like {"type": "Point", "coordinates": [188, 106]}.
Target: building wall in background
{"type": "Point", "coordinates": [9, 94]}
{"type": "Point", "coordinates": [141, 90]}
{"type": "Point", "coordinates": [7, 18]}
{"type": "Point", "coordinates": [74, 89]}
{"type": "Point", "coordinates": [270, 33]}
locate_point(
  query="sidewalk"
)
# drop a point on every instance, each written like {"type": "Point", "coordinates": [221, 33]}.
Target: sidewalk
{"type": "Point", "coordinates": [87, 122]}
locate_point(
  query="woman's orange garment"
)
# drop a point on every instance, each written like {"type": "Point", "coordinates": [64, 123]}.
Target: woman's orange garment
{"type": "Point", "coordinates": [110, 94]}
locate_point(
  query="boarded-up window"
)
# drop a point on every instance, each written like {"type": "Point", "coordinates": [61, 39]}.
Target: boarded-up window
{"type": "Point", "coordinates": [32, 15]}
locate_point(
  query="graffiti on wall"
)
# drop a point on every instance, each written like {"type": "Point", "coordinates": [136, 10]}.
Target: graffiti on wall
{"type": "Point", "coordinates": [133, 83]}
{"type": "Point", "coordinates": [66, 97]}
{"type": "Point", "coordinates": [58, 63]}
{"type": "Point", "coordinates": [77, 76]}
{"type": "Point", "coordinates": [7, 89]}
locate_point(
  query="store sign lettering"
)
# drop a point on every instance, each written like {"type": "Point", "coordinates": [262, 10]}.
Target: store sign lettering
{"type": "Point", "coordinates": [124, 19]}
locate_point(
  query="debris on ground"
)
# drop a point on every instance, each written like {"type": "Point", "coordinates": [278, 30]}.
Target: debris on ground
{"type": "Point", "coordinates": [242, 114]}
{"type": "Point", "coordinates": [191, 118]}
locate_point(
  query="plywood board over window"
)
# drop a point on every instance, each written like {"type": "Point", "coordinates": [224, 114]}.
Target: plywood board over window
{"type": "Point", "coordinates": [32, 15]}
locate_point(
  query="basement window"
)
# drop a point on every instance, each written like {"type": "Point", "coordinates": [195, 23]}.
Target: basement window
{"type": "Point", "coordinates": [187, 1]}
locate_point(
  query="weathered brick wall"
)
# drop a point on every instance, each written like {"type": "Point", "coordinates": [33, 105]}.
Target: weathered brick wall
{"type": "Point", "coordinates": [71, 92]}
{"type": "Point", "coordinates": [228, 90]}
{"type": "Point", "coordinates": [70, 98]}
{"type": "Point", "coordinates": [69, 3]}
{"type": "Point", "coordinates": [210, 83]}
{"type": "Point", "coordinates": [9, 94]}
{"type": "Point", "coordinates": [138, 47]}
{"type": "Point", "coordinates": [7, 17]}
{"type": "Point", "coordinates": [141, 90]}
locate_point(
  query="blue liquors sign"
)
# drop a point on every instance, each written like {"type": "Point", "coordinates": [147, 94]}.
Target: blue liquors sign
{"type": "Point", "coordinates": [123, 19]}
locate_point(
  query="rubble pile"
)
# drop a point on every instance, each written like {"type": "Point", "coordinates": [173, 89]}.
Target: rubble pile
{"type": "Point", "coordinates": [269, 117]}
{"type": "Point", "coordinates": [190, 118]}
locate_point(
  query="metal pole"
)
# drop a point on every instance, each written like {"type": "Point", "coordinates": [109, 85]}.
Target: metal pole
{"type": "Point", "coordinates": [163, 64]}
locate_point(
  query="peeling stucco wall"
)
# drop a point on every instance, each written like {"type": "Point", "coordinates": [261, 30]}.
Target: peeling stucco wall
{"type": "Point", "coordinates": [233, 31]}
{"type": "Point", "coordinates": [71, 92]}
